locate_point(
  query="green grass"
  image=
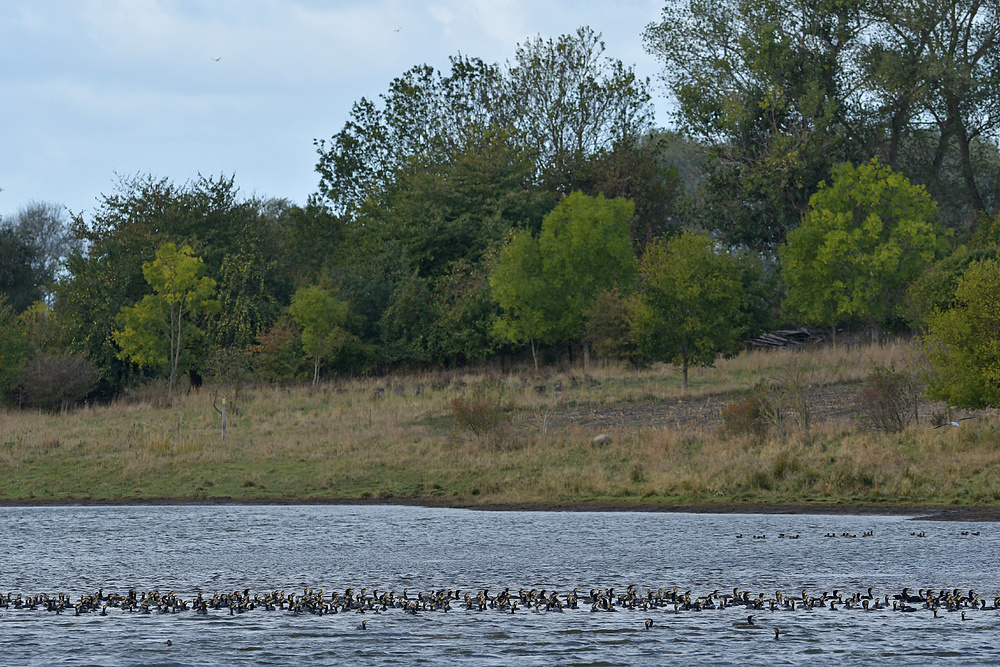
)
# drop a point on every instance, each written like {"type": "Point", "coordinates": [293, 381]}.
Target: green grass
{"type": "Point", "coordinates": [341, 443]}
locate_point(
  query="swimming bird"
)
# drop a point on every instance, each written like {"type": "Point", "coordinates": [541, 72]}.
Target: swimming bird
{"type": "Point", "coordinates": [776, 633]}
{"type": "Point", "coordinates": [649, 623]}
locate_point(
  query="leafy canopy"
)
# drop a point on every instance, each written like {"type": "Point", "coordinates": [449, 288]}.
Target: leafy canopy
{"type": "Point", "coordinates": [546, 285]}
{"type": "Point", "coordinates": [963, 342]}
{"type": "Point", "coordinates": [321, 317]}
{"type": "Point", "coordinates": [687, 309]}
{"type": "Point", "coordinates": [866, 236]}
{"type": "Point", "coordinates": [158, 329]}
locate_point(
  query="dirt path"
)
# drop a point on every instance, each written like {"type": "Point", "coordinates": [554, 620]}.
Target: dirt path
{"type": "Point", "coordinates": [828, 404]}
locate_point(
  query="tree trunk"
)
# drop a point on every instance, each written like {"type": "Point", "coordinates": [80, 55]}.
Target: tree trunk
{"type": "Point", "coordinates": [833, 335]}
{"type": "Point", "coordinates": [175, 348]}
{"type": "Point", "coordinates": [876, 332]}
{"type": "Point", "coordinates": [534, 352]}
{"type": "Point", "coordinates": [969, 172]}
{"type": "Point", "coordinates": [316, 371]}
{"type": "Point", "coordinates": [586, 357]}
{"type": "Point", "coordinates": [684, 375]}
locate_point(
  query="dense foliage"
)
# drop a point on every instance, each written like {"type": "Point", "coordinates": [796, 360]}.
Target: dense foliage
{"type": "Point", "coordinates": [824, 157]}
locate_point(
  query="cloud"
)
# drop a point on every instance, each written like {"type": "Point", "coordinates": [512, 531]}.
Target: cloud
{"type": "Point", "coordinates": [98, 86]}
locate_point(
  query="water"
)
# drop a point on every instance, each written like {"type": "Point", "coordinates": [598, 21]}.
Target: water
{"type": "Point", "coordinates": [191, 549]}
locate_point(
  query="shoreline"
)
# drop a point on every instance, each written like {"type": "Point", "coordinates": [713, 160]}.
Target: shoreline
{"type": "Point", "coordinates": [914, 512]}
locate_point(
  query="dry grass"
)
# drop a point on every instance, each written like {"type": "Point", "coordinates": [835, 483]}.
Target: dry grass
{"type": "Point", "coordinates": [406, 438]}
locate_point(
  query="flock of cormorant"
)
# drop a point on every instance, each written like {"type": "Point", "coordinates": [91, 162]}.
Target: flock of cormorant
{"type": "Point", "coordinates": [649, 601]}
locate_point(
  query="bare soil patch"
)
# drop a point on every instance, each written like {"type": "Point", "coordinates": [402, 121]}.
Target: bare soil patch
{"type": "Point", "coordinates": [829, 404]}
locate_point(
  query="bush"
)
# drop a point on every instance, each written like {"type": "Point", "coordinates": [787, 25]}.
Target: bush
{"type": "Point", "coordinates": [751, 415]}
{"type": "Point", "coordinates": [963, 342]}
{"type": "Point", "coordinates": [278, 354]}
{"type": "Point", "coordinates": [485, 418]}
{"type": "Point", "coordinates": [55, 381]}
{"type": "Point", "coordinates": [229, 367]}
{"type": "Point", "coordinates": [14, 348]}
{"type": "Point", "coordinates": [888, 400]}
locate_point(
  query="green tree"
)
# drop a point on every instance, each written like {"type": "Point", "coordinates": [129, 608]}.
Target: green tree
{"type": "Point", "coordinates": [609, 330]}
{"type": "Point", "coordinates": [20, 279]}
{"type": "Point", "coordinates": [235, 236]}
{"type": "Point", "coordinates": [466, 311]}
{"type": "Point", "coordinates": [866, 237]}
{"type": "Point", "coordinates": [934, 289]}
{"type": "Point", "coordinates": [159, 329]}
{"type": "Point", "coordinates": [546, 286]}
{"type": "Point", "coordinates": [408, 322]}
{"type": "Point", "coordinates": [518, 286]}
{"type": "Point", "coordinates": [321, 317]}
{"type": "Point", "coordinates": [561, 101]}
{"type": "Point", "coordinates": [963, 342]}
{"type": "Point", "coordinates": [586, 249]}
{"type": "Point", "coordinates": [425, 115]}
{"type": "Point", "coordinates": [15, 347]}
{"type": "Point", "coordinates": [686, 311]}
{"type": "Point", "coordinates": [770, 87]}
{"type": "Point", "coordinates": [568, 101]}
{"type": "Point", "coordinates": [456, 211]}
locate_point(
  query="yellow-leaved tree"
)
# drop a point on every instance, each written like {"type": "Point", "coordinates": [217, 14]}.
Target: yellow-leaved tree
{"type": "Point", "coordinates": [157, 330]}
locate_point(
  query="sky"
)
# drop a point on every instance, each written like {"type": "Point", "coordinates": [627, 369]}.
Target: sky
{"type": "Point", "coordinates": [98, 89]}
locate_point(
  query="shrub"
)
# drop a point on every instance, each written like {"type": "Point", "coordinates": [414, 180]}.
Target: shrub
{"type": "Point", "coordinates": [55, 381]}
{"type": "Point", "coordinates": [14, 348]}
{"type": "Point", "coordinates": [485, 418]}
{"type": "Point", "coordinates": [279, 353]}
{"type": "Point", "coordinates": [751, 415]}
{"type": "Point", "coordinates": [963, 342]}
{"type": "Point", "coordinates": [887, 401]}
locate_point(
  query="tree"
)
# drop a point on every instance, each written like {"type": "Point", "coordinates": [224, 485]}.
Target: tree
{"type": "Point", "coordinates": [20, 280]}
{"type": "Point", "coordinates": [586, 249]}
{"type": "Point", "coordinates": [934, 289]}
{"type": "Point", "coordinates": [934, 69]}
{"type": "Point", "coordinates": [456, 211]}
{"type": "Point", "coordinates": [771, 88]}
{"type": "Point", "coordinates": [781, 92]}
{"type": "Point", "coordinates": [686, 311]}
{"type": "Point", "coordinates": [321, 317]}
{"type": "Point", "coordinates": [236, 237]}
{"type": "Point", "coordinates": [963, 342]}
{"type": "Point", "coordinates": [568, 101]}
{"type": "Point", "coordinates": [561, 101]}
{"type": "Point", "coordinates": [15, 347]}
{"type": "Point", "coordinates": [158, 329]}
{"type": "Point", "coordinates": [609, 330]}
{"type": "Point", "coordinates": [466, 311]}
{"type": "Point", "coordinates": [518, 286]}
{"type": "Point", "coordinates": [866, 236]}
{"type": "Point", "coordinates": [45, 228]}
{"type": "Point", "coordinates": [424, 115]}
{"type": "Point", "coordinates": [545, 286]}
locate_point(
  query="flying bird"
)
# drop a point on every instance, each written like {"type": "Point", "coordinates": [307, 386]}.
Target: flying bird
{"type": "Point", "coordinates": [217, 59]}
{"type": "Point", "coordinates": [955, 423]}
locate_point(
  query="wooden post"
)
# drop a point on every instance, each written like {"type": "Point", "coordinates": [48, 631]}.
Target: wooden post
{"type": "Point", "coordinates": [223, 418]}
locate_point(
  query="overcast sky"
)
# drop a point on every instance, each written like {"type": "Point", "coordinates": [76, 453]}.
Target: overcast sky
{"type": "Point", "coordinates": [175, 88]}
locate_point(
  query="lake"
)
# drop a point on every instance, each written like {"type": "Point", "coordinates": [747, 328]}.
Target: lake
{"type": "Point", "coordinates": [187, 550]}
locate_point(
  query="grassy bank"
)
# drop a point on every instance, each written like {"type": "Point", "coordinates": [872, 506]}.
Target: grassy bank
{"type": "Point", "coordinates": [481, 439]}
